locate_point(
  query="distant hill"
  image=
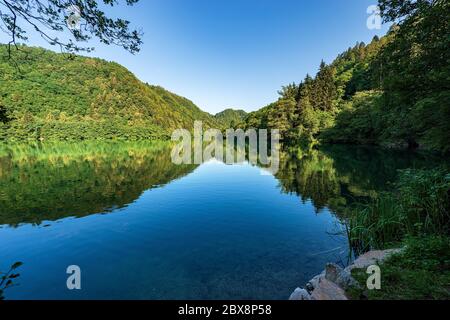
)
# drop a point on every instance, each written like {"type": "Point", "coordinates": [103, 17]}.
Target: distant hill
{"type": "Point", "coordinates": [231, 117]}
{"type": "Point", "coordinates": [50, 96]}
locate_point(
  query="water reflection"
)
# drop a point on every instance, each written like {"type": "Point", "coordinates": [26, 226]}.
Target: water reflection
{"type": "Point", "coordinates": [220, 232]}
{"type": "Point", "coordinates": [336, 176]}
{"type": "Point", "coordinates": [53, 181]}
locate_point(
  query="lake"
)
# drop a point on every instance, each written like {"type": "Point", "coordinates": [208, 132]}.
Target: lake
{"type": "Point", "coordinates": [140, 227]}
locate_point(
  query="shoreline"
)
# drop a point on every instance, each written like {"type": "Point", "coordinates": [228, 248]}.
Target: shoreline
{"type": "Point", "coordinates": [334, 281]}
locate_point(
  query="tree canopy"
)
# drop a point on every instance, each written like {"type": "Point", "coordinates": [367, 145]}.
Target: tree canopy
{"type": "Point", "coordinates": [54, 20]}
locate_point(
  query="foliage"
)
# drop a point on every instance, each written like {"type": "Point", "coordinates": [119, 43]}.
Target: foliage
{"type": "Point", "coordinates": [230, 118]}
{"type": "Point", "coordinates": [54, 97]}
{"type": "Point", "coordinates": [281, 116]}
{"type": "Point", "coordinates": [420, 205]}
{"type": "Point", "coordinates": [391, 92]}
{"type": "Point", "coordinates": [50, 19]}
{"type": "Point", "coordinates": [7, 279]}
{"type": "Point", "coordinates": [337, 176]}
{"type": "Point", "coordinates": [319, 100]}
{"type": "Point", "coordinates": [416, 73]}
{"type": "Point", "coordinates": [259, 119]}
{"type": "Point", "coordinates": [359, 121]}
{"type": "Point", "coordinates": [289, 92]}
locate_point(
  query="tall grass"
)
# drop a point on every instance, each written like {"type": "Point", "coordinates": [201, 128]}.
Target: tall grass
{"type": "Point", "coordinates": [420, 205]}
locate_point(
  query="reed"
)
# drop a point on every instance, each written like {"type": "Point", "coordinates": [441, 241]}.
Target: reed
{"type": "Point", "coordinates": [419, 205]}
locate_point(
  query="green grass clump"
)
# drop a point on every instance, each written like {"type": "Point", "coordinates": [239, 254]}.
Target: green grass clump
{"type": "Point", "coordinates": [421, 272]}
{"type": "Point", "coordinates": [420, 205]}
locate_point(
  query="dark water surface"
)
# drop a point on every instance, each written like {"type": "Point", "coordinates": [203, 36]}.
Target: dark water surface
{"type": "Point", "coordinates": [141, 227]}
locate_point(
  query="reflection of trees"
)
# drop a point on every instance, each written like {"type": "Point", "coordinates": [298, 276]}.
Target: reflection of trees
{"type": "Point", "coordinates": [311, 175]}
{"type": "Point", "coordinates": [54, 182]}
{"type": "Point", "coordinates": [336, 176]}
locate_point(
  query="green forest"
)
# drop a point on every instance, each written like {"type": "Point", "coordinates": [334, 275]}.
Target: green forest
{"type": "Point", "coordinates": [393, 92]}
{"type": "Point", "coordinates": [49, 96]}
{"type": "Point", "coordinates": [231, 118]}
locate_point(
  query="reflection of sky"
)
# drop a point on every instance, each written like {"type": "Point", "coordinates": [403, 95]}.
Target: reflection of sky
{"type": "Point", "coordinates": [221, 232]}
{"type": "Point", "coordinates": [236, 53]}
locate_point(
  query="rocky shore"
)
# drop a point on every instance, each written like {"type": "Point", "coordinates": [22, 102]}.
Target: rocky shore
{"type": "Point", "coordinates": [334, 281]}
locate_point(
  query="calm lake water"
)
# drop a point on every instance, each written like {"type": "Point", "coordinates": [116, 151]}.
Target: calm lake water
{"type": "Point", "coordinates": [140, 227]}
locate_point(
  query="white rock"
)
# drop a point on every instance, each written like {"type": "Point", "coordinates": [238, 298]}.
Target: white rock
{"type": "Point", "coordinates": [299, 295]}
{"type": "Point", "coordinates": [328, 290]}
{"type": "Point", "coordinates": [372, 258]}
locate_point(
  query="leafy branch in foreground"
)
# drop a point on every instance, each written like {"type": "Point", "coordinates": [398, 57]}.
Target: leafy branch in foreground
{"type": "Point", "coordinates": [49, 19]}
{"type": "Point", "coordinates": [7, 279]}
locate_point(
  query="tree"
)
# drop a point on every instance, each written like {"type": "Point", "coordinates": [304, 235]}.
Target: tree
{"type": "Point", "coordinates": [81, 19]}
{"type": "Point", "coordinates": [85, 98]}
{"type": "Point", "coordinates": [325, 91]}
{"type": "Point", "coordinates": [415, 72]}
{"type": "Point", "coordinates": [392, 91]}
{"type": "Point", "coordinates": [393, 10]}
{"type": "Point", "coordinates": [282, 116]}
{"type": "Point", "coordinates": [289, 92]}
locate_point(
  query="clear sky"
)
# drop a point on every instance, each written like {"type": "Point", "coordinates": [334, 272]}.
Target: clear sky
{"type": "Point", "coordinates": [236, 53]}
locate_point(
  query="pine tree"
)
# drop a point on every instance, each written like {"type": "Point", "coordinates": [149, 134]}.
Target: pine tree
{"type": "Point", "coordinates": [283, 117]}
{"type": "Point", "coordinates": [324, 89]}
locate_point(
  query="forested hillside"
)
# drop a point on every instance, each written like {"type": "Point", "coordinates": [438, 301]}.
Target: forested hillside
{"type": "Point", "coordinates": [231, 118]}
{"type": "Point", "coordinates": [394, 91]}
{"type": "Point", "coordinates": [50, 96]}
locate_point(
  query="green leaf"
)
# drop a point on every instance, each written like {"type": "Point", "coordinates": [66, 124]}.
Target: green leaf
{"type": "Point", "coordinates": [16, 265]}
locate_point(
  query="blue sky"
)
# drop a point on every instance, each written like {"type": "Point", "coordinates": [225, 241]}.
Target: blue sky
{"type": "Point", "coordinates": [236, 53]}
